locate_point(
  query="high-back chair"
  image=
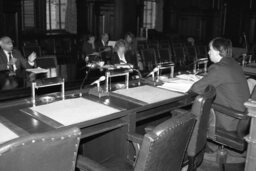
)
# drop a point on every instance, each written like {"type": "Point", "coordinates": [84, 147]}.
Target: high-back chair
{"type": "Point", "coordinates": [149, 58]}
{"type": "Point", "coordinates": [27, 50]}
{"type": "Point", "coordinates": [201, 109]}
{"type": "Point", "coordinates": [179, 55]}
{"type": "Point", "coordinates": [165, 55]}
{"type": "Point", "coordinates": [51, 151]}
{"type": "Point", "coordinates": [191, 54]}
{"type": "Point", "coordinates": [233, 139]}
{"type": "Point", "coordinates": [161, 149]}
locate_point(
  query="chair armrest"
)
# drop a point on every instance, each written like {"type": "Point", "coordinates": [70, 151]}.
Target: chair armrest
{"type": "Point", "coordinates": [178, 112]}
{"type": "Point", "coordinates": [230, 112]}
{"type": "Point", "coordinates": [86, 164]}
{"type": "Point", "coordinates": [135, 138]}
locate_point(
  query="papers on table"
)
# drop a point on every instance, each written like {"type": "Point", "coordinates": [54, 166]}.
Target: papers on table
{"type": "Point", "coordinates": [6, 134]}
{"type": "Point", "coordinates": [182, 83]}
{"type": "Point", "coordinates": [72, 111]}
{"type": "Point", "coordinates": [148, 94]}
{"type": "Point", "coordinates": [37, 70]}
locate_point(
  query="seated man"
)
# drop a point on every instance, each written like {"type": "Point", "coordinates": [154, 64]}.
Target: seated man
{"type": "Point", "coordinates": [11, 63]}
{"type": "Point", "coordinates": [104, 49]}
{"type": "Point", "coordinates": [227, 76]}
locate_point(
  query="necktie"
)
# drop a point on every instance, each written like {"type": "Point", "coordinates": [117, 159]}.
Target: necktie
{"type": "Point", "coordinates": [11, 68]}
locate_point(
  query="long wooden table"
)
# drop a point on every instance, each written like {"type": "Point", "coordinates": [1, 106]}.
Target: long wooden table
{"type": "Point", "coordinates": [102, 137]}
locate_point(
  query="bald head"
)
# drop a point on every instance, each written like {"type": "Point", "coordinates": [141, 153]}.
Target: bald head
{"type": "Point", "coordinates": [6, 43]}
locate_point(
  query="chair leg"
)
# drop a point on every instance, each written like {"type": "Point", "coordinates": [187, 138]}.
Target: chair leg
{"type": "Point", "coordinates": [191, 164]}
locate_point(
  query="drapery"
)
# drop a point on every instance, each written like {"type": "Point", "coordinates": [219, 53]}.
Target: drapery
{"type": "Point", "coordinates": [159, 15]}
{"type": "Point", "coordinates": [71, 17]}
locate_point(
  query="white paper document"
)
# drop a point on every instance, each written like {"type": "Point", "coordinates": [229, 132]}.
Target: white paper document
{"type": "Point", "coordinates": [148, 94]}
{"type": "Point", "coordinates": [37, 70]}
{"type": "Point", "coordinates": [182, 83]}
{"type": "Point", "coordinates": [72, 111]}
{"type": "Point", "coordinates": [6, 134]}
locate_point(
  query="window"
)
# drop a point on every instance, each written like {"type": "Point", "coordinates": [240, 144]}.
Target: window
{"type": "Point", "coordinates": [28, 14]}
{"type": "Point", "coordinates": [149, 16]}
{"type": "Point", "coordinates": [55, 14]}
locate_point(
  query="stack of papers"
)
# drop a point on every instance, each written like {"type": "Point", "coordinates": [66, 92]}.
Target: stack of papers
{"type": "Point", "coordinates": [182, 83]}
{"type": "Point", "coordinates": [72, 111]}
{"type": "Point", "coordinates": [6, 134]}
{"type": "Point", "coordinates": [148, 94]}
{"type": "Point", "coordinates": [37, 70]}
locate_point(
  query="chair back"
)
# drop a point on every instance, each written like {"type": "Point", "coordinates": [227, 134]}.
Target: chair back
{"type": "Point", "coordinates": [51, 151]}
{"type": "Point", "coordinates": [164, 55]}
{"type": "Point", "coordinates": [164, 147]}
{"type": "Point", "coordinates": [48, 62]}
{"type": "Point", "coordinates": [244, 124]}
{"type": "Point", "coordinates": [179, 54]}
{"type": "Point", "coordinates": [201, 109]}
{"type": "Point", "coordinates": [149, 58]}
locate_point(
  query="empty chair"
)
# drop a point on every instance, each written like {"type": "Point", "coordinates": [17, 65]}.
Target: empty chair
{"type": "Point", "coordinates": [191, 54]}
{"type": "Point", "coordinates": [164, 45]}
{"type": "Point", "coordinates": [201, 51]}
{"type": "Point", "coordinates": [179, 55]}
{"type": "Point", "coordinates": [161, 149]}
{"type": "Point", "coordinates": [149, 58]}
{"type": "Point", "coordinates": [164, 55]}
{"type": "Point", "coordinates": [52, 151]}
{"type": "Point", "coordinates": [153, 46]}
{"type": "Point", "coordinates": [48, 62]}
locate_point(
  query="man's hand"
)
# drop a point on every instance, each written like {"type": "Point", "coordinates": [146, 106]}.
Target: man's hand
{"type": "Point", "coordinates": [32, 57]}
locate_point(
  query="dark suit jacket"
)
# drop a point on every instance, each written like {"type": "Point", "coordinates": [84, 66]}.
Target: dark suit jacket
{"type": "Point", "coordinates": [115, 59]}
{"type": "Point", "coordinates": [231, 88]}
{"type": "Point", "coordinates": [20, 63]}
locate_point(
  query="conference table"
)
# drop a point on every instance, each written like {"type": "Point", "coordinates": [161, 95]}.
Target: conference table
{"type": "Point", "coordinates": [104, 121]}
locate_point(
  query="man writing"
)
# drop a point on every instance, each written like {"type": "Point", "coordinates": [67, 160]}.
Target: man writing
{"type": "Point", "coordinates": [12, 63]}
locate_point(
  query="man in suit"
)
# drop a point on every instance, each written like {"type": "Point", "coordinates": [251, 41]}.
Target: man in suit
{"type": "Point", "coordinates": [104, 49]}
{"type": "Point", "coordinates": [12, 63]}
{"type": "Point", "coordinates": [227, 76]}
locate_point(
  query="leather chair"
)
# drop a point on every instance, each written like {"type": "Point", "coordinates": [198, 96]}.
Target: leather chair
{"type": "Point", "coordinates": [161, 149]}
{"type": "Point", "coordinates": [51, 151]}
{"type": "Point", "coordinates": [149, 58]}
{"type": "Point", "coordinates": [201, 109]}
{"type": "Point", "coordinates": [48, 62]}
{"type": "Point", "coordinates": [233, 139]}
{"type": "Point", "coordinates": [164, 55]}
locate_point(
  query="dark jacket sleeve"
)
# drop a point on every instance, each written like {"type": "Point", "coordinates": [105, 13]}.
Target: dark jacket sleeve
{"type": "Point", "coordinates": [20, 60]}
{"type": "Point", "coordinates": [212, 78]}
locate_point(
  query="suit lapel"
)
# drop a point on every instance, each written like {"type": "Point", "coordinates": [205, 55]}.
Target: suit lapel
{"type": "Point", "coordinates": [3, 57]}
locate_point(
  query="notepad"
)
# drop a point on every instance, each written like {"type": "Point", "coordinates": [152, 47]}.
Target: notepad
{"type": "Point", "coordinates": [72, 111]}
{"type": "Point", "coordinates": [37, 70]}
{"type": "Point", "coordinates": [6, 134]}
{"type": "Point", "coordinates": [178, 85]}
{"type": "Point", "coordinates": [148, 94]}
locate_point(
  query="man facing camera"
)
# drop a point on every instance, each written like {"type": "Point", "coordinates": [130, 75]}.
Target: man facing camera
{"type": "Point", "coordinates": [12, 63]}
{"type": "Point", "coordinates": [227, 76]}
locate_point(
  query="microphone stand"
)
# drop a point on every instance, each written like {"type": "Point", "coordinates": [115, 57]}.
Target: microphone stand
{"type": "Point", "coordinates": [82, 84]}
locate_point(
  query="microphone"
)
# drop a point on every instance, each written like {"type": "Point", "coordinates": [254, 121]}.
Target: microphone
{"type": "Point", "coordinates": [102, 78]}
{"type": "Point", "coordinates": [152, 72]}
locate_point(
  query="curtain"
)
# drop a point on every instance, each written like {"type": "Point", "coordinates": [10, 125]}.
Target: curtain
{"type": "Point", "coordinates": [71, 17]}
{"type": "Point", "coordinates": [159, 15]}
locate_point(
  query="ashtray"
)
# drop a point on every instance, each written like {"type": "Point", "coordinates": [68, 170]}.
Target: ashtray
{"type": "Point", "coordinates": [47, 99]}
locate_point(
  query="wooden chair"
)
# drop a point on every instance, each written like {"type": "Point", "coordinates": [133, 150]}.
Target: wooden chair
{"type": "Point", "coordinates": [164, 55]}
{"type": "Point", "coordinates": [201, 109]}
{"type": "Point", "coordinates": [161, 149]}
{"type": "Point", "coordinates": [201, 51]}
{"type": "Point", "coordinates": [179, 55]}
{"type": "Point", "coordinates": [52, 151]}
{"type": "Point", "coordinates": [48, 62]}
{"type": "Point", "coordinates": [149, 58]}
